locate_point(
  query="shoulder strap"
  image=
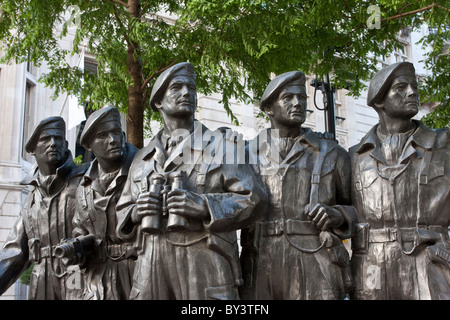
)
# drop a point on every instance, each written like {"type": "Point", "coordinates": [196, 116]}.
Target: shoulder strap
{"type": "Point", "coordinates": [204, 167]}
{"type": "Point", "coordinates": [315, 176]}
{"type": "Point", "coordinates": [28, 221]}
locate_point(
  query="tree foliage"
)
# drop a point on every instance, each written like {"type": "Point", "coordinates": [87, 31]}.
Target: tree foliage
{"type": "Point", "coordinates": [438, 118]}
{"type": "Point", "coordinates": [235, 45]}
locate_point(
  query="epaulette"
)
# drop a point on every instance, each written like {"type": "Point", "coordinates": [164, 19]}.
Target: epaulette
{"type": "Point", "coordinates": [442, 137]}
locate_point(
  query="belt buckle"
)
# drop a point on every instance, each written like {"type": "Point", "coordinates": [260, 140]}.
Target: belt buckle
{"type": "Point", "coordinates": [45, 252]}
{"type": "Point", "coordinates": [114, 250]}
{"type": "Point", "coordinates": [279, 227]}
{"type": "Point", "coordinates": [393, 236]}
{"type": "Point", "coordinates": [423, 179]}
{"type": "Point", "coordinates": [315, 178]}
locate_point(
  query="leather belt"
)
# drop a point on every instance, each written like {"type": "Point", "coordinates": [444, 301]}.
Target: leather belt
{"type": "Point", "coordinates": [407, 234]}
{"type": "Point", "coordinates": [119, 251]}
{"type": "Point", "coordinates": [383, 235]}
{"type": "Point", "coordinates": [47, 252]}
{"type": "Point", "coordinates": [277, 227]}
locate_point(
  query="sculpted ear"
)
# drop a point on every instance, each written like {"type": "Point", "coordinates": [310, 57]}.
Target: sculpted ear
{"type": "Point", "coordinates": [87, 146]}
{"type": "Point", "coordinates": [269, 111]}
{"type": "Point", "coordinates": [158, 104]}
{"type": "Point", "coordinates": [124, 138]}
{"type": "Point", "coordinates": [378, 105]}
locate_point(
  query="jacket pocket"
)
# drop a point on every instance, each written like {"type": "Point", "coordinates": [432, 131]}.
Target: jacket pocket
{"type": "Point", "coordinates": [369, 190]}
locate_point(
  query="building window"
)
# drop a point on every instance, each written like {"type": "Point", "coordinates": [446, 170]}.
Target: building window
{"type": "Point", "coordinates": [31, 68]}
{"type": "Point", "coordinates": [29, 107]}
{"type": "Point", "coordinates": [401, 54]}
{"type": "Point", "coordinates": [340, 113]}
{"type": "Point", "coordinates": [90, 65]}
{"type": "Point", "coordinates": [29, 119]}
{"type": "Point", "coordinates": [382, 61]}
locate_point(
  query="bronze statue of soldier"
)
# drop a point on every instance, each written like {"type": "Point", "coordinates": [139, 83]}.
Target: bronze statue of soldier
{"type": "Point", "coordinates": [45, 218]}
{"type": "Point", "coordinates": [296, 251]}
{"type": "Point", "coordinates": [185, 202]}
{"type": "Point", "coordinates": [106, 260]}
{"type": "Point", "coordinates": [401, 190]}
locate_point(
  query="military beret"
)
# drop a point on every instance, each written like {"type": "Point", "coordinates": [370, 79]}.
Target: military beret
{"type": "Point", "coordinates": [48, 123]}
{"type": "Point", "coordinates": [277, 84]}
{"type": "Point", "coordinates": [163, 80]}
{"type": "Point", "coordinates": [97, 117]}
{"type": "Point", "coordinates": [381, 81]}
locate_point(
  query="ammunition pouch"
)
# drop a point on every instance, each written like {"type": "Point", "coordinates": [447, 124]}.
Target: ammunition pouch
{"type": "Point", "coordinates": [360, 240]}
{"type": "Point", "coordinates": [439, 253]}
{"type": "Point", "coordinates": [339, 255]}
{"type": "Point", "coordinates": [431, 235]}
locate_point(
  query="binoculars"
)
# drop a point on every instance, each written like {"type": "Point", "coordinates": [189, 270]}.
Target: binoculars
{"type": "Point", "coordinates": [154, 223]}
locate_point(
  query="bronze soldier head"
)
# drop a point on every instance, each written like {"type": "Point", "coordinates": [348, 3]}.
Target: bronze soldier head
{"type": "Point", "coordinates": [48, 143]}
{"type": "Point", "coordinates": [285, 99]}
{"type": "Point", "coordinates": [103, 135]}
{"type": "Point", "coordinates": [174, 92]}
{"type": "Point", "coordinates": [393, 91]}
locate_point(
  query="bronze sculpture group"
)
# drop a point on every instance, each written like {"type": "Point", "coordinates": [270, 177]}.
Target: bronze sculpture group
{"type": "Point", "coordinates": [161, 222]}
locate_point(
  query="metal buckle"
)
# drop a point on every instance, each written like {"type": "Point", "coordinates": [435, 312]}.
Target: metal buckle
{"type": "Point", "coordinates": [315, 178]}
{"type": "Point", "coordinates": [393, 235]}
{"type": "Point", "coordinates": [423, 179]}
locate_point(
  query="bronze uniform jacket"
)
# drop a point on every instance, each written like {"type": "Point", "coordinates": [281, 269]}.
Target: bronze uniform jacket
{"type": "Point", "coordinates": [96, 216]}
{"type": "Point", "coordinates": [389, 263]}
{"type": "Point", "coordinates": [234, 197]}
{"type": "Point", "coordinates": [42, 223]}
{"type": "Point", "coordinates": [274, 258]}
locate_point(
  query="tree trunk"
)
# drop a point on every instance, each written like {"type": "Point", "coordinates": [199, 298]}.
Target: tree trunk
{"type": "Point", "coordinates": [135, 118]}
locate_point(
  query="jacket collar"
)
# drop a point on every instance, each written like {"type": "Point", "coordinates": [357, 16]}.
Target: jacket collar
{"type": "Point", "coordinates": [63, 172]}
{"type": "Point", "coordinates": [92, 172]}
{"type": "Point", "coordinates": [308, 138]}
{"type": "Point", "coordinates": [156, 144]}
{"type": "Point", "coordinates": [422, 136]}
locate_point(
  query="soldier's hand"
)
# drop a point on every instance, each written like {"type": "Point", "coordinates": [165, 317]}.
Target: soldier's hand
{"type": "Point", "coordinates": [148, 203]}
{"type": "Point", "coordinates": [186, 203]}
{"type": "Point", "coordinates": [325, 217]}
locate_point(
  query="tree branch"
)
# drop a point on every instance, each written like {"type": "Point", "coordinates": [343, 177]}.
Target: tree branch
{"type": "Point", "coordinates": [121, 2]}
{"type": "Point", "coordinates": [414, 12]}
{"type": "Point", "coordinates": [160, 70]}
{"type": "Point", "coordinates": [439, 6]}
{"type": "Point", "coordinates": [119, 21]}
